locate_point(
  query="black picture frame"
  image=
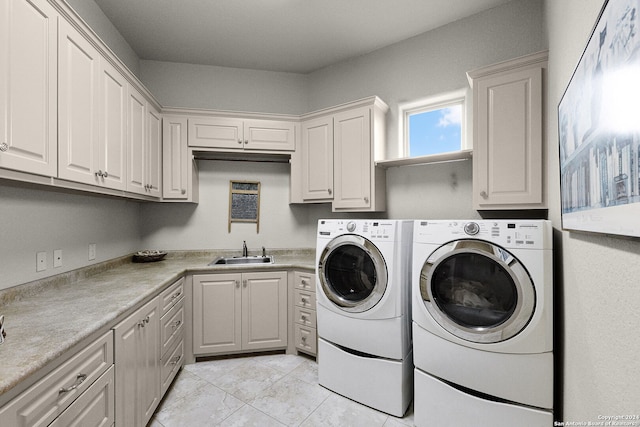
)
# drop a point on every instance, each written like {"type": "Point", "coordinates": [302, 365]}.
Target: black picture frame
{"type": "Point", "coordinates": [599, 128]}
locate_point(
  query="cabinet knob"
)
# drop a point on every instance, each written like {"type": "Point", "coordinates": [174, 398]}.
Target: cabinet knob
{"type": "Point", "coordinates": [244, 283]}
{"type": "Point", "coordinates": [237, 283]}
{"type": "Point", "coordinates": [329, 191]}
{"type": "Point", "coordinates": [105, 174]}
{"type": "Point", "coordinates": [246, 141]}
{"type": "Point", "coordinates": [4, 147]}
{"type": "Point", "coordinates": [239, 141]}
{"type": "Point", "coordinates": [183, 191]}
{"type": "Point", "coordinates": [366, 200]}
{"type": "Point", "coordinates": [98, 173]}
{"type": "Point", "coordinates": [484, 194]}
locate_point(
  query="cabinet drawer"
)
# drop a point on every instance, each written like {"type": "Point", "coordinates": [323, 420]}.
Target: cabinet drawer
{"type": "Point", "coordinates": [305, 281]}
{"type": "Point", "coordinates": [171, 365]}
{"type": "Point", "coordinates": [171, 295]}
{"type": "Point", "coordinates": [306, 339]}
{"type": "Point", "coordinates": [304, 299]}
{"type": "Point", "coordinates": [48, 398]}
{"type": "Point", "coordinates": [94, 407]}
{"type": "Point", "coordinates": [172, 326]}
{"type": "Point", "coordinates": [304, 316]}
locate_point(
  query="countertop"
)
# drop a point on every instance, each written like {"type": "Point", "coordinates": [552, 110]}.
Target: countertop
{"type": "Point", "coordinates": [47, 318]}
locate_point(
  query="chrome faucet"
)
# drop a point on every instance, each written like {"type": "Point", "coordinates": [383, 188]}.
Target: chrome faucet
{"type": "Point", "coordinates": [245, 252]}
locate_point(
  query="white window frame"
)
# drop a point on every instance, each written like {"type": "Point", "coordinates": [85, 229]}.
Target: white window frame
{"type": "Point", "coordinates": [435, 102]}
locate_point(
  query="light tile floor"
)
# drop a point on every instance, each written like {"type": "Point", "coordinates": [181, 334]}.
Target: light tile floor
{"type": "Point", "coordinates": [262, 390]}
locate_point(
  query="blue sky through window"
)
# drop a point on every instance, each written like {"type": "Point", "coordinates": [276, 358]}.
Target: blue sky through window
{"type": "Point", "coordinates": [435, 131]}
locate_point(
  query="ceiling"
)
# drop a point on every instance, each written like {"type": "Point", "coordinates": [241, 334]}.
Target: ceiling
{"type": "Point", "coordinates": [298, 36]}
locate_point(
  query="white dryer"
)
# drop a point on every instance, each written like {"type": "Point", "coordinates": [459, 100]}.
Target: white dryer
{"type": "Point", "coordinates": [483, 322]}
{"type": "Point", "coordinates": [364, 311]}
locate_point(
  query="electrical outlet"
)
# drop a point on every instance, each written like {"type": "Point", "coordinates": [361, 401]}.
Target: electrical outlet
{"type": "Point", "coordinates": [41, 261]}
{"type": "Point", "coordinates": [57, 258]}
{"type": "Point", "coordinates": [92, 251]}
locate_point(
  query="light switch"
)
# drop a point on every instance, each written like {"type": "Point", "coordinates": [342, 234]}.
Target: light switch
{"type": "Point", "coordinates": [41, 261]}
{"type": "Point", "coordinates": [57, 258]}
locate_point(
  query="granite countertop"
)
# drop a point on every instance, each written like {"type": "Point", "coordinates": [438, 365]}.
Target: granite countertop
{"type": "Point", "coordinates": [46, 318]}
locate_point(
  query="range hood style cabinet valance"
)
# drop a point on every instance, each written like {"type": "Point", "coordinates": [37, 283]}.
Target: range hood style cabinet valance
{"type": "Point", "coordinates": [73, 116]}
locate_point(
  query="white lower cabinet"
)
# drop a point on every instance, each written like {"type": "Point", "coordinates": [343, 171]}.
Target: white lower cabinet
{"type": "Point", "coordinates": [239, 312]}
{"type": "Point", "coordinates": [81, 387]}
{"type": "Point", "coordinates": [304, 312]}
{"type": "Point", "coordinates": [137, 364]}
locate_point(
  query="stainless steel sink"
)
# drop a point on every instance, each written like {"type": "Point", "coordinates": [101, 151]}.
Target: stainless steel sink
{"type": "Point", "coordinates": [268, 259]}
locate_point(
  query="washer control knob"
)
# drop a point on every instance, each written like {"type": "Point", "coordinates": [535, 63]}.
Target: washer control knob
{"type": "Point", "coordinates": [471, 228]}
{"type": "Point", "coordinates": [351, 226]}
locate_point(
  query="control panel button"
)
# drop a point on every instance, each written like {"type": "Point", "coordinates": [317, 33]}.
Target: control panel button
{"type": "Point", "coordinates": [471, 228]}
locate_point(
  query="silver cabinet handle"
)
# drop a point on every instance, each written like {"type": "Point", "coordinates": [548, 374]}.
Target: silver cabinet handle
{"type": "Point", "coordinates": [304, 300]}
{"type": "Point", "coordinates": [329, 191]}
{"type": "Point", "coordinates": [366, 200]}
{"type": "Point", "coordinates": [239, 141]}
{"type": "Point", "coordinates": [183, 191]}
{"type": "Point", "coordinates": [4, 147]}
{"type": "Point", "coordinates": [244, 283]}
{"type": "Point", "coordinates": [484, 194]}
{"type": "Point", "coordinates": [246, 141]}
{"type": "Point", "coordinates": [79, 380]}
{"type": "Point", "coordinates": [304, 282]}
{"type": "Point", "coordinates": [175, 360]}
{"type": "Point", "coordinates": [304, 339]}
{"type": "Point", "coordinates": [105, 174]}
{"type": "Point", "coordinates": [98, 173]}
{"type": "Point", "coordinates": [303, 318]}
{"type": "Point", "coordinates": [176, 324]}
{"type": "Point", "coordinates": [237, 283]}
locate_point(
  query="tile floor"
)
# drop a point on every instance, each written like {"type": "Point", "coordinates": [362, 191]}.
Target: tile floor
{"type": "Point", "coordinates": [261, 390]}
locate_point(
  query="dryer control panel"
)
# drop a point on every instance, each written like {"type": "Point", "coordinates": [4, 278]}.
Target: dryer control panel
{"type": "Point", "coordinates": [533, 234]}
{"type": "Point", "coordinates": [384, 230]}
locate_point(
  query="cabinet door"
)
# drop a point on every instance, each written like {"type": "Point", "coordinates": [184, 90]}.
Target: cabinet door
{"type": "Point", "coordinates": [317, 159]}
{"type": "Point", "coordinates": [79, 71]}
{"type": "Point", "coordinates": [352, 159]}
{"type": "Point", "coordinates": [269, 135]}
{"type": "Point", "coordinates": [508, 140]}
{"type": "Point", "coordinates": [217, 313]}
{"type": "Point", "coordinates": [175, 158]}
{"type": "Point", "coordinates": [264, 310]}
{"type": "Point", "coordinates": [113, 127]}
{"type": "Point", "coordinates": [154, 152]}
{"type": "Point", "coordinates": [136, 137]}
{"type": "Point", "coordinates": [28, 86]}
{"type": "Point", "coordinates": [137, 364]}
{"type": "Point", "coordinates": [212, 132]}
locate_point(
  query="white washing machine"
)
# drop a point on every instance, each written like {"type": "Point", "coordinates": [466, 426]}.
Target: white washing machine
{"type": "Point", "coordinates": [483, 322]}
{"type": "Point", "coordinates": [364, 311]}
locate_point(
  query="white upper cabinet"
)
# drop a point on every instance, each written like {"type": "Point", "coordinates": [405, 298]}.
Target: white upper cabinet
{"type": "Point", "coordinates": [78, 115]}
{"type": "Point", "coordinates": [179, 172]}
{"type": "Point", "coordinates": [335, 161]}
{"type": "Point", "coordinates": [508, 137]}
{"type": "Point", "coordinates": [317, 158]}
{"type": "Point", "coordinates": [92, 114]}
{"type": "Point", "coordinates": [28, 86]}
{"type": "Point", "coordinates": [112, 146]}
{"type": "Point", "coordinates": [144, 159]}
{"type": "Point", "coordinates": [352, 160]}
{"type": "Point", "coordinates": [238, 134]}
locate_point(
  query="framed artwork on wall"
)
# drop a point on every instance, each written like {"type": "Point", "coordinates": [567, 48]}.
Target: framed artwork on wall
{"type": "Point", "coordinates": [599, 128]}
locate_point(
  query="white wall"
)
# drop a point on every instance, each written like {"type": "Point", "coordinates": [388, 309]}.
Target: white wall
{"type": "Point", "coordinates": [598, 277]}
{"type": "Point", "coordinates": [221, 88]}
{"type": "Point", "coordinates": [35, 220]}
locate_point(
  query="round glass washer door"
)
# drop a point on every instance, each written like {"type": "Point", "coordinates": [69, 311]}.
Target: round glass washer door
{"type": "Point", "coordinates": [352, 273]}
{"type": "Point", "coordinates": [477, 291]}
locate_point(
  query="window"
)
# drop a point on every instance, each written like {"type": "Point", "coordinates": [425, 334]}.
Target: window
{"type": "Point", "coordinates": [434, 125]}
